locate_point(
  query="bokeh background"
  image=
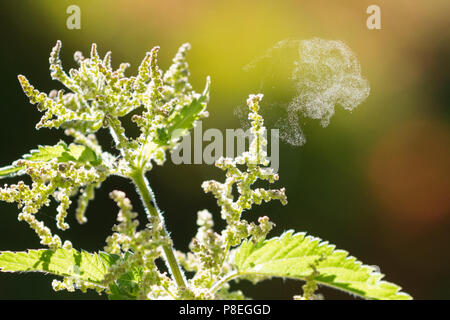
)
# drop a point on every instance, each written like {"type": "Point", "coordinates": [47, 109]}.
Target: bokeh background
{"type": "Point", "coordinates": [375, 182]}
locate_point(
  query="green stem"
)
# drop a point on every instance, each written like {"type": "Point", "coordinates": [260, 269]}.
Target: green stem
{"type": "Point", "coordinates": [224, 280]}
{"type": "Point", "coordinates": [147, 198]}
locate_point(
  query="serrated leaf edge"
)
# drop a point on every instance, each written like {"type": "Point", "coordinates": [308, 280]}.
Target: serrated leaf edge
{"type": "Point", "coordinates": [372, 272]}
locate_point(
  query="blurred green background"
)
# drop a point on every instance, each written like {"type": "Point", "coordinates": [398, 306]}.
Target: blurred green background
{"type": "Point", "coordinates": [375, 182]}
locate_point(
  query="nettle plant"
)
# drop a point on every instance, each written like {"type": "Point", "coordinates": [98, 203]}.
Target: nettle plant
{"type": "Point", "coordinates": [98, 98]}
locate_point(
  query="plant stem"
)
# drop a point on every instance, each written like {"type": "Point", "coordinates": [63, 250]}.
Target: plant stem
{"type": "Point", "coordinates": [147, 198]}
{"type": "Point", "coordinates": [222, 281]}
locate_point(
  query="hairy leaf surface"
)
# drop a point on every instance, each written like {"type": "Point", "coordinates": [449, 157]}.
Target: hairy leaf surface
{"type": "Point", "coordinates": [82, 265]}
{"type": "Point", "coordinates": [185, 119]}
{"type": "Point", "coordinates": [61, 152]}
{"type": "Point", "coordinates": [296, 255]}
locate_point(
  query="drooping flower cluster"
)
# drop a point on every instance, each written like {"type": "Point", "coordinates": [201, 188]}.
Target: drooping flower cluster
{"type": "Point", "coordinates": [256, 161]}
{"type": "Point", "coordinates": [99, 96]}
{"type": "Point", "coordinates": [211, 254]}
{"type": "Point", "coordinates": [59, 178]}
{"type": "Point", "coordinates": [145, 246]}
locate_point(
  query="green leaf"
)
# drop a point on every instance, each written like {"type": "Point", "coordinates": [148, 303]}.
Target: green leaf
{"type": "Point", "coordinates": [8, 171]}
{"type": "Point", "coordinates": [292, 256]}
{"type": "Point", "coordinates": [61, 152]}
{"type": "Point", "coordinates": [185, 119]}
{"type": "Point", "coordinates": [127, 286]}
{"type": "Point", "coordinates": [47, 153]}
{"type": "Point", "coordinates": [83, 154]}
{"type": "Point", "coordinates": [83, 265]}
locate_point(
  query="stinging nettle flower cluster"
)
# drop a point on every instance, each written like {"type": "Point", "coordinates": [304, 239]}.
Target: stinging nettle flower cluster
{"type": "Point", "coordinates": [165, 107]}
